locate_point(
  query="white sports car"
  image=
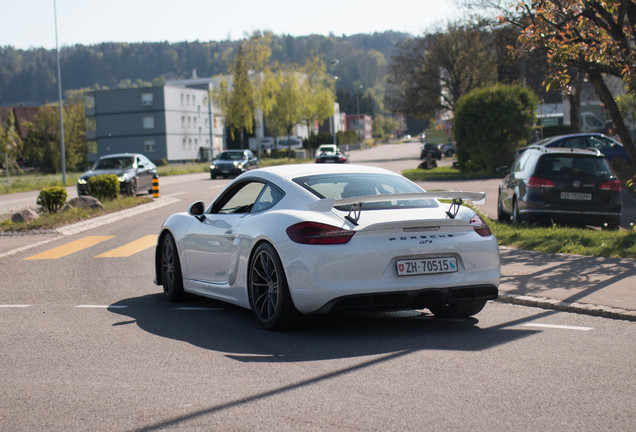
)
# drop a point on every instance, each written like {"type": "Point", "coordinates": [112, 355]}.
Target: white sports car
{"type": "Point", "coordinates": [313, 239]}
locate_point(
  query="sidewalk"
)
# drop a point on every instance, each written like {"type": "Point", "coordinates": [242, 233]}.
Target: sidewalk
{"type": "Point", "coordinates": [589, 285]}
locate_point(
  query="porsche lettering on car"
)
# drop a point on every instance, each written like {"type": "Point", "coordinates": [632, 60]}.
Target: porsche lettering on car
{"type": "Point", "coordinates": [298, 240]}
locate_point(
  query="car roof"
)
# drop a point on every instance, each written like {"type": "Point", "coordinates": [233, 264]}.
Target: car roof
{"type": "Point", "coordinates": [566, 150]}
{"type": "Point", "coordinates": [301, 170]}
{"type": "Point", "coordinates": [116, 155]}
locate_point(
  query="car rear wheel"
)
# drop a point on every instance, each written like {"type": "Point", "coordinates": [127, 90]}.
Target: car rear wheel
{"type": "Point", "coordinates": [268, 293]}
{"type": "Point", "coordinates": [171, 276]}
{"type": "Point", "coordinates": [459, 310]}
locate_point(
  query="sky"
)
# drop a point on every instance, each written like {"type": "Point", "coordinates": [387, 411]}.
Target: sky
{"type": "Point", "coordinates": [31, 23]}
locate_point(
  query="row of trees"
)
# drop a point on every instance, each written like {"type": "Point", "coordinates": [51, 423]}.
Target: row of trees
{"type": "Point", "coordinates": [42, 144]}
{"type": "Point", "coordinates": [549, 46]}
{"type": "Point", "coordinates": [284, 94]}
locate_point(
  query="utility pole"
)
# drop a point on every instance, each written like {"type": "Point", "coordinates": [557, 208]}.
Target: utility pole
{"type": "Point", "coordinates": [59, 96]}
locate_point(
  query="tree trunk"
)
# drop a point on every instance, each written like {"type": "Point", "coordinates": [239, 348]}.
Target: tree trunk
{"type": "Point", "coordinates": [607, 98]}
{"type": "Point", "coordinates": [575, 102]}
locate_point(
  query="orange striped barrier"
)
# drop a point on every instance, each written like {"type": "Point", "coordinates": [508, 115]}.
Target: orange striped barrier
{"type": "Point", "coordinates": [155, 187]}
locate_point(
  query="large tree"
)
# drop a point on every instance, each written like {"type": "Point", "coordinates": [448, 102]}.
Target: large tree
{"type": "Point", "coordinates": [433, 72]}
{"type": "Point", "coordinates": [596, 37]}
{"type": "Point", "coordinates": [237, 100]}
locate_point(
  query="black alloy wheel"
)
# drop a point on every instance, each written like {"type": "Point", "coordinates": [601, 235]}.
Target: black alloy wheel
{"type": "Point", "coordinates": [268, 293]}
{"type": "Point", "coordinates": [171, 277]}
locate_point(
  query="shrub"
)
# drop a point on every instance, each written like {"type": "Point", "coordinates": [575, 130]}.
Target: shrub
{"type": "Point", "coordinates": [52, 198]}
{"type": "Point", "coordinates": [104, 187]}
{"type": "Point", "coordinates": [490, 123]}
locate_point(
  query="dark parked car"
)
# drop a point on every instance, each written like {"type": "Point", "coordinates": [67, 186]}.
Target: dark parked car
{"type": "Point", "coordinates": [432, 150]}
{"type": "Point", "coordinates": [606, 145]}
{"type": "Point", "coordinates": [565, 185]}
{"type": "Point", "coordinates": [448, 149]}
{"type": "Point", "coordinates": [134, 171]}
{"type": "Point", "coordinates": [233, 163]}
{"type": "Point", "coordinates": [337, 157]}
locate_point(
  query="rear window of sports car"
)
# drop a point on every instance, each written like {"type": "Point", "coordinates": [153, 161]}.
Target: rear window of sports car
{"type": "Point", "coordinates": [340, 186]}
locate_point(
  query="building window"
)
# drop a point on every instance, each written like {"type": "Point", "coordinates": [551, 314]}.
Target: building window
{"type": "Point", "coordinates": [181, 98]}
{"type": "Point", "coordinates": [184, 143]}
{"type": "Point", "coordinates": [187, 99]}
{"type": "Point", "coordinates": [149, 146]}
{"type": "Point", "coordinates": [90, 101]}
{"type": "Point", "coordinates": [149, 122]}
{"type": "Point", "coordinates": [147, 99]}
{"type": "Point", "coordinates": [182, 121]}
{"type": "Point", "coordinates": [216, 122]}
{"type": "Point", "coordinates": [91, 124]}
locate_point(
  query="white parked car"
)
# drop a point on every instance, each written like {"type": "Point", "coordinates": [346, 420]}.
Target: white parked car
{"type": "Point", "coordinates": [329, 149]}
{"type": "Point", "coordinates": [312, 238]}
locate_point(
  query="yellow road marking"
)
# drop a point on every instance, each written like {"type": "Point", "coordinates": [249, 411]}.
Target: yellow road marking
{"type": "Point", "coordinates": [130, 248]}
{"type": "Point", "coordinates": [69, 248]}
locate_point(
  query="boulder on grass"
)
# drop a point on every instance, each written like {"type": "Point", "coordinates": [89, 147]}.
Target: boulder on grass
{"type": "Point", "coordinates": [89, 202]}
{"type": "Point", "coordinates": [26, 215]}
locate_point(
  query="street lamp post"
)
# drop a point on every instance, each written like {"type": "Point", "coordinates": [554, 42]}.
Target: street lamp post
{"type": "Point", "coordinates": [59, 95]}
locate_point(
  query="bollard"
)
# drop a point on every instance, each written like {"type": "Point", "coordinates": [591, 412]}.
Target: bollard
{"type": "Point", "coordinates": [155, 187]}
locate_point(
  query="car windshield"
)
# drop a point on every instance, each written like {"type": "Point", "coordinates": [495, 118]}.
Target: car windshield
{"type": "Point", "coordinates": [576, 165]}
{"type": "Point", "coordinates": [340, 186]}
{"type": "Point", "coordinates": [231, 156]}
{"type": "Point", "coordinates": [114, 163]}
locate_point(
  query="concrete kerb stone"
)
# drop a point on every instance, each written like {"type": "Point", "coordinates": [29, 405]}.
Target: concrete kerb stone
{"type": "Point", "coordinates": [96, 222]}
{"type": "Point", "coordinates": [574, 307]}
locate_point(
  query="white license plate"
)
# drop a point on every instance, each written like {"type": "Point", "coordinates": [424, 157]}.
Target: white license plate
{"type": "Point", "coordinates": [426, 266]}
{"type": "Point", "coordinates": [576, 196]}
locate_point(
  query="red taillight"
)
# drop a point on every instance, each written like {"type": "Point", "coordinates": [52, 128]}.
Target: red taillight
{"type": "Point", "coordinates": [613, 185]}
{"type": "Point", "coordinates": [538, 182]}
{"type": "Point", "coordinates": [480, 226]}
{"type": "Point", "coordinates": [318, 233]}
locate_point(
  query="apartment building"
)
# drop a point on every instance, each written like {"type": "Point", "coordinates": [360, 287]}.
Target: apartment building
{"type": "Point", "coordinates": [171, 123]}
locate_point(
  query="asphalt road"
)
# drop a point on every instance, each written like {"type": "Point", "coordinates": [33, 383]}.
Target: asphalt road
{"type": "Point", "coordinates": [89, 343]}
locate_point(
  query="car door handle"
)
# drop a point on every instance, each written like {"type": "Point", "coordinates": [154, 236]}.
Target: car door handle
{"type": "Point", "coordinates": [229, 234]}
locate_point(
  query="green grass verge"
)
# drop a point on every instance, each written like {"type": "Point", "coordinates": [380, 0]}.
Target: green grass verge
{"type": "Point", "coordinates": [566, 240]}
{"type": "Point", "coordinates": [442, 173]}
{"type": "Point", "coordinates": [49, 221]}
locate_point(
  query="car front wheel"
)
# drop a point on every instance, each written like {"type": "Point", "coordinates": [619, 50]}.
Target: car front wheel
{"type": "Point", "coordinates": [132, 187]}
{"type": "Point", "coordinates": [171, 276]}
{"type": "Point", "coordinates": [516, 216]}
{"type": "Point", "coordinates": [268, 293]}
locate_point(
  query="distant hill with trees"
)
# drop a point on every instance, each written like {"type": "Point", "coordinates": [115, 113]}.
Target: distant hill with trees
{"type": "Point", "coordinates": [28, 77]}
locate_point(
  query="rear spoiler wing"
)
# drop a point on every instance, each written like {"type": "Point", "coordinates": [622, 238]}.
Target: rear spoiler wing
{"type": "Point", "coordinates": [326, 204]}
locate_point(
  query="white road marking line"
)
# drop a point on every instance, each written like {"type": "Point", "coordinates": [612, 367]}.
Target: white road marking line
{"type": "Point", "coordinates": [556, 326]}
{"type": "Point", "coordinates": [194, 308]}
{"type": "Point", "coordinates": [14, 306]}
{"type": "Point", "coordinates": [101, 306]}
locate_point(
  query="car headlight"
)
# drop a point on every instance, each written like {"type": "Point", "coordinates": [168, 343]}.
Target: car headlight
{"type": "Point", "coordinates": [212, 166]}
{"type": "Point", "coordinates": [239, 166]}
{"type": "Point", "coordinates": [81, 181]}
{"type": "Point", "coordinates": [122, 178]}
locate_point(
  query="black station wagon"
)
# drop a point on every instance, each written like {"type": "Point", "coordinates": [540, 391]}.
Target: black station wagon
{"type": "Point", "coordinates": [560, 185]}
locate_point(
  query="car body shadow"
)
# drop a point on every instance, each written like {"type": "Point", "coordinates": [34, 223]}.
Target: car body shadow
{"type": "Point", "coordinates": [221, 327]}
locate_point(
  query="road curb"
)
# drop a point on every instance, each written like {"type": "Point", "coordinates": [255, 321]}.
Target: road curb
{"type": "Point", "coordinates": [559, 305]}
{"type": "Point", "coordinates": [94, 223]}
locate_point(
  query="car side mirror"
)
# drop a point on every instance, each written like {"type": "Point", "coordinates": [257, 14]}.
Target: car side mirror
{"type": "Point", "coordinates": [197, 210]}
{"type": "Point", "coordinates": [503, 170]}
